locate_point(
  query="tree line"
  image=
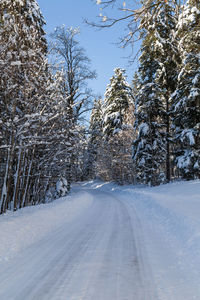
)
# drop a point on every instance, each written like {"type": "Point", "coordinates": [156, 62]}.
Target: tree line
{"type": "Point", "coordinates": [164, 99]}
{"type": "Point", "coordinates": [41, 106]}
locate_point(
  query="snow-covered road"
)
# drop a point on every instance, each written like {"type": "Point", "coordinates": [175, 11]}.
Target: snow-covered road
{"type": "Point", "coordinates": [97, 255]}
{"type": "Point", "coordinates": [105, 242]}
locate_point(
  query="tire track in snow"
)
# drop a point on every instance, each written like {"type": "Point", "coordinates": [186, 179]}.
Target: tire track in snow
{"type": "Point", "coordinates": [95, 257]}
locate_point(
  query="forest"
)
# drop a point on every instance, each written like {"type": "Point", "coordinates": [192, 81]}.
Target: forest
{"type": "Point", "coordinates": [143, 132]}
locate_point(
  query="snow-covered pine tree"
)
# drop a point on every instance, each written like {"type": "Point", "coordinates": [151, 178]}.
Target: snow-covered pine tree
{"type": "Point", "coordinates": [157, 80]}
{"type": "Point", "coordinates": [95, 139]}
{"type": "Point", "coordinates": [122, 163]}
{"type": "Point", "coordinates": [186, 98]}
{"type": "Point", "coordinates": [115, 153]}
{"type": "Point", "coordinates": [149, 145]}
{"type": "Point", "coordinates": [116, 102]}
{"type": "Point", "coordinates": [166, 54]}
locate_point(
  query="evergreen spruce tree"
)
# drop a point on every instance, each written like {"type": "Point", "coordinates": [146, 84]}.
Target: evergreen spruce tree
{"type": "Point", "coordinates": [186, 98]}
{"type": "Point", "coordinates": [149, 145]}
{"type": "Point", "coordinates": [157, 78]}
{"type": "Point", "coordinates": [115, 155]}
{"type": "Point", "coordinates": [116, 103]}
{"type": "Point", "coordinates": [122, 164]}
{"type": "Point", "coordinates": [95, 139]}
{"type": "Point", "coordinates": [166, 55]}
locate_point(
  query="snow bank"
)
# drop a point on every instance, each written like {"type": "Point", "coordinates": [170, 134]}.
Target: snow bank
{"type": "Point", "coordinates": [26, 226]}
{"type": "Point", "coordinates": [169, 217]}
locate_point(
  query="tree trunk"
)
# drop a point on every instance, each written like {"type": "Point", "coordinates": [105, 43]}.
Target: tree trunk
{"type": "Point", "coordinates": [17, 180]}
{"type": "Point", "coordinates": [168, 174]}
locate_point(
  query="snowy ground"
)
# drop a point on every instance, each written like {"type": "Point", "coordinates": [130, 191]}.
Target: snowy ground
{"type": "Point", "coordinates": [105, 242]}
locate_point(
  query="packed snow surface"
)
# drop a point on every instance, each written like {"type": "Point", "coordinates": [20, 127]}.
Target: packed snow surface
{"type": "Point", "coordinates": [105, 242]}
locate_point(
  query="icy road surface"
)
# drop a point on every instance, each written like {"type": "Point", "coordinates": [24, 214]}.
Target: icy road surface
{"type": "Point", "coordinates": [97, 255]}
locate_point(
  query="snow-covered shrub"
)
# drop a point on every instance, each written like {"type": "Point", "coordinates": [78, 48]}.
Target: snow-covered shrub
{"type": "Point", "coordinates": [62, 188]}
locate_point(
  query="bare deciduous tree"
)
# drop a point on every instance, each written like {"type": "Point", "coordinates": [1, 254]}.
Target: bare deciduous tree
{"type": "Point", "coordinates": [71, 57]}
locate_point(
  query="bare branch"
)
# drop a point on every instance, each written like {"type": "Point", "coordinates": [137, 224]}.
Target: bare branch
{"type": "Point", "coordinates": [130, 15]}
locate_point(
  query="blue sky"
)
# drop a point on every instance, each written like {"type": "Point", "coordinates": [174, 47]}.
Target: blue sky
{"type": "Point", "coordinates": [99, 44]}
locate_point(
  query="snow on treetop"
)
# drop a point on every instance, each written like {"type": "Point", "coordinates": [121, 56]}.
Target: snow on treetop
{"type": "Point", "coordinates": [195, 10]}
{"type": "Point", "coordinates": [196, 79]}
{"type": "Point", "coordinates": [183, 161]}
{"type": "Point", "coordinates": [188, 14]}
{"type": "Point", "coordinates": [143, 128]}
{"type": "Point", "coordinates": [189, 134]}
{"type": "Point", "coordinates": [194, 93]}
